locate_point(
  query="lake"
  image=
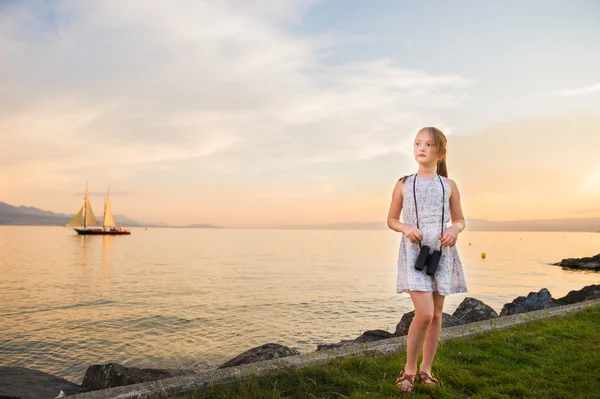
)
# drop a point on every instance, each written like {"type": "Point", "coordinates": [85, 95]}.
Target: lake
{"type": "Point", "coordinates": [195, 298]}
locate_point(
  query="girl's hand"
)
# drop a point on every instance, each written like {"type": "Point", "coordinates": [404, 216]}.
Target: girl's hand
{"type": "Point", "coordinates": [414, 234]}
{"type": "Point", "coordinates": [448, 239]}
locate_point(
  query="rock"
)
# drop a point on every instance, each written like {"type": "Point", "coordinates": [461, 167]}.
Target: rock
{"type": "Point", "coordinates": [449, 321]}
{"type": "Point", "coordinates": [592, 263]}
{"type": "Point", "coordinates": [263, 352]}
{"type": "Point", "coordinates": [322, 347]}
{"type": "Point", "coordinates": [471, 310]}
{"type": "Point", "coordinates": [24, 383]}
{"type": "Point", "coordinates": [587, 293]}
{"type": "Point", "coordinates": [367, 336]}
{"type": "Point", "coordinates": [103, 376]}
{"type": "Point", "coordinates": [373, 335]}
{"type": "Point", "coordinates": [404, 324]}
{"type": "Point", "coordinates": [533, 301]}
{"type": "Point", "coordinates": [592, 296]}
{"type": "Point", "coordinates": [402, 327]}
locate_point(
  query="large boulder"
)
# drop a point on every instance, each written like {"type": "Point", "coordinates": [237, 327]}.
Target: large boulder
{"type": "Point", "coordinates": [103, 376]}
{"type": "Point", "coordinates": [404, 324]}
{"type": "Point", "coordinates": [323, 347]}
{"type": "Point", "coordinates": [24, 383]}
{"type": "Point", "coordinates": [263, 352]}
{"type": "Point", "coordinates": [402, 327]}
{"type": "Point", "coordinates": [373, 335]}
{"type": "Point", "coordinates": [592, 263]}
{"type": "Point", "coordinates": [471, 310]}
{"type": "Point", "coordinates": [534, 301]}
{"type": "Point", "coordinates": [587, 293]}
{"type": "Point", "coordinates": [367, 336]}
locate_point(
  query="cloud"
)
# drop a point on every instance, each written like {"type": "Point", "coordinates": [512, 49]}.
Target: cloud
{"type": "Point", "coordinates": [166, 82]}
{"type": "Point", "coordinates": [192, 96]}
{"type": "Point", "coordinates": [580, 91]}
{"type": "Point", "coordinates": [194, 102]}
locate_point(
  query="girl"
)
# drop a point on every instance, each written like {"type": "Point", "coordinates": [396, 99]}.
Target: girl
{"type": "Point", "coordinates": [429, 200]}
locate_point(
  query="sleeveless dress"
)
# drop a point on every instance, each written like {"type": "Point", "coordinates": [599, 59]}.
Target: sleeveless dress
{"type": "Point", "coordinates": [449, 277]}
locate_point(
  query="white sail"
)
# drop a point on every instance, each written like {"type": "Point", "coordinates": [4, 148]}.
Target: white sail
{"type": "Point", "coordinates": [77, 219]}
{"type": "Point", "coordinates": [89, 214]}
{"type": "Point", "coordinates": [108, 217]}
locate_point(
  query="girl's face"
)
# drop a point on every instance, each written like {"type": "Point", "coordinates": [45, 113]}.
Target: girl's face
{"type": "Point", "coordinates": [425, 150]}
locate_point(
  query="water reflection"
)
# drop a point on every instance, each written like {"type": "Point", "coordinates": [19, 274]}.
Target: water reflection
{"type": "Point", "coordinates": [105, 267]}
{"type": "Point", "coordinates": [167, 298]}
{"type": "Point", "coordinates": [87, 246]}
{"type": "Point", "coordinates": [106, 243]}
{"type": "Point", "coordinates": [82, 246]}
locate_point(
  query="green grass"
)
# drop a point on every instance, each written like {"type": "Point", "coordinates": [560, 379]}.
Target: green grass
{"type": "Point", "coordinates": [550, 358]}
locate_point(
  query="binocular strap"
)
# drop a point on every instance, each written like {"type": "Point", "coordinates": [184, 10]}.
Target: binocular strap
{"type": "Point", "coordinates": [417, 212]}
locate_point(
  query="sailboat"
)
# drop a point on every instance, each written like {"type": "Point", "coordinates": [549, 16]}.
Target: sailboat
{"type": "Point", "coordinates": [85, 217]}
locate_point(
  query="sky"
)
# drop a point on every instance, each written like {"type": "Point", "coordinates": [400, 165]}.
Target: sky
{"type": "Point", "coordinates": [259, 113]}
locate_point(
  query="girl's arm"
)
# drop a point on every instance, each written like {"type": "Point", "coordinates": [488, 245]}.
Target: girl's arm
{"type": "Point", "coordinates": [393, 220]}
{"type": "Point", "coordinates": [456, 212]}
{"type": "Point", "coordinates": [448, 239]}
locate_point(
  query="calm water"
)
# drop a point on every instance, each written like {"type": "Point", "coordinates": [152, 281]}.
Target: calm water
{"type": "Point", "coordinates": [176, 298]}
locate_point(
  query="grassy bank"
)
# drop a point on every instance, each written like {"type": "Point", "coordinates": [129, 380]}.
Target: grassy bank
{"type": "Point", "coordinates": [550, 358]}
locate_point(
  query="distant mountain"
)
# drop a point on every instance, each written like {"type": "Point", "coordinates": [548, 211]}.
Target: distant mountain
{"type": "Point", "coordinates": [572, 224]}
{"type": "Point", "coordinates": [122, 220]}
{"type": "Point", "coordinates": [202, 226]}
{"type": "Point", "coordinates": [337, 226]}
{"type": "Point", "coordinates": [29, 216]}
{"type": "Point", "coordinates": [6, 209]}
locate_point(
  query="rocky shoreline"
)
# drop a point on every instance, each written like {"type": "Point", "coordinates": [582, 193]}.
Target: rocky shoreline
{"type": "Point", "coordinates": [23, 383]}
{"type": "Point", "coordinates": [592, 263]}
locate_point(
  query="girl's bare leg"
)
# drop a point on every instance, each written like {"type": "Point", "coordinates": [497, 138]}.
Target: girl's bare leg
{"type": "Point", "coordinates": [433, 333]}
{"type": "Point", "coordinates": [424, 308]}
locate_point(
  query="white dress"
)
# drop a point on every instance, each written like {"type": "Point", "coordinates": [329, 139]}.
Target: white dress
{"type": "Point", "coordinates": [449, 277]}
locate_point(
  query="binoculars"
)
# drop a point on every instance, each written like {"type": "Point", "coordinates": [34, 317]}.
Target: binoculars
{"type": "Point", "coordinates": [429, 260]}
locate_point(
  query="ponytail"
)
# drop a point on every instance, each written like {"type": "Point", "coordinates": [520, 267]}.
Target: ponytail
{"type": "Point", "coordinates": [440, 142]}
{"type": "Point", "coordinates": [442, 169]}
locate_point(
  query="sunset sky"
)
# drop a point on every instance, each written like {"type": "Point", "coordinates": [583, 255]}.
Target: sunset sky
{"type": "Point", "coordinates": [254, 113]}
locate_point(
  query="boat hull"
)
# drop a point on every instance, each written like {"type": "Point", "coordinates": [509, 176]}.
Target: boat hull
{"type": "Point", "coordinates": [100, 232]}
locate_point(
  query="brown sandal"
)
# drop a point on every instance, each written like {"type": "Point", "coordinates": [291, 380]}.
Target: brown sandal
{"type": "Point", "coordinates": [427, 379]}
{"type": "Point", "coordinates": [405, 377]}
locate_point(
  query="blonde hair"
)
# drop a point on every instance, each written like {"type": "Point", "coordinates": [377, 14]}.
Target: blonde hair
{"type": "Point", "coordinates": [440, 142]}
